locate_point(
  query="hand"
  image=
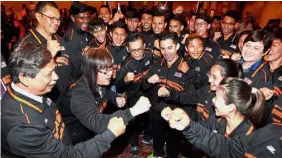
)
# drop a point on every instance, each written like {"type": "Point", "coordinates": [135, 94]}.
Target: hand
{"type": "Point", "coordinates": [157, 43]}
{"type": "Point", "coordinates": [153, 79]}
{"type": "Point", "coordinates": [120, 102]}
{"type": "Point", "coordinates": [179, 119]}
{"type": "Point", "coordinates": [225, 53]}
{"type": "Point", "coordinates": [117, 16]}
{"type": "Point", "coordinates": [142, 105]}
{"type": "Point", "coordinates": [236, 56]}
{"type": "Point", "coordinates": [184, 39]}
{"type": "Point", "coordinates": [117, 126]}
{"type": "Point", "coordinates": [216, 35]}
{"type": "Point", "coordinates": [178, 10]}
{"type": "Point", "coordinates": [62, 60]}
{"type": "Point", "coordinates": [129, 77]}
{"type": "Point", "coordinates": [163, 92]}
{"type": "Point", "coordinates": [268, 93]}
{"type": "Point", "coordinates": [54, 46]}
{"type": "Point", "coordinates": [85, 50]}
{"type": "Point", "coordinates": [166, 113]}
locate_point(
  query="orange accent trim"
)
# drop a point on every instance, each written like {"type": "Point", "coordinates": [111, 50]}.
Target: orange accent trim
{"type": "Point", "coordinates": [171, 84]}
{"type": "Point", "coordinates": [102, 108]}
{"type": "Point", "coordinates": [277, 113]}
{"type": "Point", "coordinates": [23, 101]}
{"type": "Point", "coordinates": [24, 39]}
{"type": "Point", "coordinates": [248, 155]}
{"type": "Point", "coordinates": [257, 70]}
{"type": "Point", "coordinates": [251, 129]}
{"type": "Point", "coordinates": [277, 91]}
{"type": "Point", "coordinates": [183, 66]}
{"type": "Point", "coordinates": [278, 107]}
{"type": "Point", "coordinates": [59, 132]}
{"type": "Point", "coordinates": [276, 120]}
{"type": "Point", "coordinates": [139, 77]}
{"type": "Point", "coordinates": [226, 135]}
{"type": "Point", "coordinates": [26, 117]}
{"type": "Point", "coordinates": [71, 34]}
{"type": "Point", "coordinates": [34, 35]}
{"type": "Point", "coordinates": [72, 85]}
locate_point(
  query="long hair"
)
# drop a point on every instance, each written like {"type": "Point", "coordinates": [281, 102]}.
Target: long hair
{"type": "Point", "coordinates": [95, 60]}
{"type": "Point", "coordinates": [249, 101]}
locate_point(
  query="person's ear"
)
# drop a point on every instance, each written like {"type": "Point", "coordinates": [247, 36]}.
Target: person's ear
{"type": "Point", "coordinates": [231, 108]}
{"type": "Point", "coordinates": [208, 27]}
{"type": "Point", "coordinates": [38, 16]}
{"type": "Point", "coordinates": [24, 80]}
{"type": "Point", "coordinates": [72, 18]}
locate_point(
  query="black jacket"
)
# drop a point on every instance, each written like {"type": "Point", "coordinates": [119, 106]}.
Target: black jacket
{"type": "Point", "coordinates": [262, 143]}
{"type": "Point", "coordinates": [82, 112]}
{"type": "Point", "coordinates": [64, 72]}
{"type": "Point", "coordinates": [33, 129]}
{"type": "Point", "coordinates": [230, 45]}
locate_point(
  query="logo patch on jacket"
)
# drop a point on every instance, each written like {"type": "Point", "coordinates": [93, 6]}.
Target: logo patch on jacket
{"type": "Point", "coordinates": [233, 46]}
{"type": "Point", "coordinates": [208, 49]}
{"type": "Point", "coordinates": [178, 74]}
{"type": "Point", "coordinates": [147, 63]}
{"type": "Point", "coordinates": [197, 68]}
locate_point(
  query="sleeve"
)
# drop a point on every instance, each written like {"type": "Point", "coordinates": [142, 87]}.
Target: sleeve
{"type": "Point", "coordinates": [145, 85]}
{"type": "Point", "coordinates": [121, 84]}
{"type": "Point", "coordinates": [213, 144]}
{"type": "Point", "coordinates": [37, 141]}
{"type": "Point", "coordinates": [112, 97]}
{"type": "Point", "coordinates": [84, 108]}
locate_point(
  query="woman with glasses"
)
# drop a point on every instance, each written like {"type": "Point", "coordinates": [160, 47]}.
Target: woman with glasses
{"type": "Point", "coordinates": [83, 112]}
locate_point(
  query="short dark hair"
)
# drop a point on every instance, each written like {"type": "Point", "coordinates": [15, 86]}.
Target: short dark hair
{"type": "Point", "coordinates": [42, 4]}
{"type": "Point", "coordinates": [78, 7]}
{"type": "Point", "coordinates": [28, 59]}
{"type": "Point", "coordinates": [132, 37]}
{"type": "Point", "coordinates": [146, 11]}
{"type": "Point", "coordinates": [157, 13]}
{"type": "Point", "coordinates": [133, 13]}
{"type": "Point", "coordinates": [216, 17]}
{"type": "Point", "coordinates": [233, 14]}
{"type": "Point", "coordinates": [192, 37]}
{"type": "Point", "coordinates": [260, 36]}
{"type": "Point", "coordinates": [168, 35]}
{"type": "Point", "coordinates": [245, 32]}
{"type": "Point", "coordinates": [204, 17]}
{"type": "Point", "coordinates": [106, 6]}
{"type": "Point", "coordinates": [119, 24]}
{"type": "Point", "coordinates": [180, 19]}
{"type": "Point", "coordinates": [277, 34]}
{"type": "Point", "coordinates": [96, 23]}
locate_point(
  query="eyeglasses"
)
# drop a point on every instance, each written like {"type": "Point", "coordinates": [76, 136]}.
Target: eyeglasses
{"type": "Point", "coordinates": [107, 71]}
{"type": "Point", "coordinates": [137, 50]}
{"type": "Point", "coordinates": [200, 24]}
{"type": "Point", "coordinates": [228, 24]}
{"type": "Point", "coordinates": [52, 19]}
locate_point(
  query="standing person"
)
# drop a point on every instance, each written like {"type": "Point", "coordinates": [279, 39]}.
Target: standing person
{"type": "Point", "coordinates": [146, 28]}
{"type": "Point", "coordinates": [31, 124]}
{"type": "Point", "coordinates": [132, 20]}
{"type": "Point", "coordinates": [215, 25]}
{"type": "Point", "coordinates": [98, 29]}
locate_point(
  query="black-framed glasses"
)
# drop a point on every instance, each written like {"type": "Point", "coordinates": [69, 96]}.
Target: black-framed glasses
{"type": "Point", "coordinates": [52, 19]}
{"type": "Point", "coordinates": [107, 71]}
{"type": "Point", "coordinates": [228, 24]}
{"type": "Point", "coordinates": [137, 50]}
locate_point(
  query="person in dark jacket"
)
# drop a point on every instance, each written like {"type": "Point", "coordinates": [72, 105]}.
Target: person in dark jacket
{"type": "Point", "coordinates": [264, 142]}
{"type": "Point", "coordinates": [98, 29]}
{"type": "Point", "coordinates": [146, 28]}
{"type": "Point", "coordinates": [84, 105]}
{"type": "Point", "coordinates": [31, 125]}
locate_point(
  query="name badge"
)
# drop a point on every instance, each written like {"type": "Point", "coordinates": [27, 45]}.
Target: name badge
{"type": "Point", "coordinates": [233, 46]}
{"type": "Point", "coordinates": [147, 63]}
{"type": "Point", "coordinates": [208, 49]}
{"type": "Point", "coordinates": [178, 74]}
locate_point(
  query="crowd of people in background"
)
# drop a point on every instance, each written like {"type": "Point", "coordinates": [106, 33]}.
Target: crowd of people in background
{"type": "Point", "coordinates": [79, 81]}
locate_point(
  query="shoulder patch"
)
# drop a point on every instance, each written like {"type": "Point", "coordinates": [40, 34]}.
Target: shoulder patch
{"type": "Point", "coordinates": [183, 66]}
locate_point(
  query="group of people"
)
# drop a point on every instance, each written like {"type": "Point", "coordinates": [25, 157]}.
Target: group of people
{"type": "Point", "coordinates": [194, 85]}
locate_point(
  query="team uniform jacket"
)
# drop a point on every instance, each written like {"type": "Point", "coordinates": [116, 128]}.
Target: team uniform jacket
{"type": "Point", "coordinates": [200, 68]}
{"type": "Point", "coordinates": [276, 112]}
{"type": "Point", "coordinates": [147, 37]}
{"type": "Point", "coordinates": [230, 45]}
{"type": "Point", "coordinates": [265, 142]}
{"type": "Point", "coordinates": [277, 79]}
{"type": "Point", "coordinates": [140, 69]}
{"type": "Point", "coordinates": [76, 40]}
{"type": "Point", "coordinates": [150, 46]}
{"type": "Point", "coordinates": [258, 75]}
{"type": "Point", "coordinates": [82, 112]}
{"type": "Point", "coordinates": [211, 47]}
{"type": "Point", "coordinates": [35, 129]}
{"type": "Point", "coordinates": [64, 72]}
{"type": "Point", "coordinates": [174, 78]}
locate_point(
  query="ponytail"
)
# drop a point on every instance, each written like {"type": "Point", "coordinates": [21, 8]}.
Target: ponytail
{"type": "Point", "coordinates": [256, 107]}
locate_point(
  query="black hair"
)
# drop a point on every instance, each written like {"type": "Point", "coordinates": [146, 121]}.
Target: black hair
{"type": "Point", "coordinates": [233, 14]}
{"type": "Point", "coordinates": [78, 7]}
{"type": "Point", "coordinates": [96, 23]}
{"type": "Point", "coordinates": [42, 4]}
{"type": "Point", "coordinates": [277, 34]}
{"type": "Point", "coordinates": [204, 17]}
{"type": "Point", "coordinates": [119, 24]}
{"type": "Point", "coordinates": [168, 35]}
{"type": "Point", "coordinates": [28, 59]}
{"type": "Point", "coordinates": [192, 37]}
{"type": "Point", "coordinates": [216, 17]}
{"type": "Point", "coordinates": [132, 37]}
{"type": "Point", "coordinates": [230, 68]}
{"type": "Point", "coordinates": [245, 32]}
{"type": "Point", "coordinates": [106, 6]}
{"type": "Point", "coordinates": [133, 13]}
{"type": "Point", "coordinates": [260, 36]}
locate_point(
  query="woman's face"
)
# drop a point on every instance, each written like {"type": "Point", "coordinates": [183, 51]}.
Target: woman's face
{"type": "Point", "coordinates": [221, 109]}
{"type": "Point", "coordinates": [252, 51]}
{"type": "Point", "coordinates": [215, 77]}
{"type": "Point", "coordinates": [104, 76]}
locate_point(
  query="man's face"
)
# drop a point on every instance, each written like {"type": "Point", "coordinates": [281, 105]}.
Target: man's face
{"type": "Point", "coordinates": [100, 33]}
{"type": "Point", "coordinates": [49, 19]}
{"type": "Point", "coordinates": [175, 26]}
{"type": "Point", "coordinates": [169, 50]}
{"type": "Point", "coordinates": [31, 10]}
{"type": "Point", "coordinates": [105, 14]}
{"type": "Point", "coordinates": [158, 24]}
{"type": "Point", "coordinates": [146, 21]}
{"type": "Point", "coordinates": [228, 25]}
{"type": "Point", "coordinates": [132, 24]}
{"type": "Point", "coordinates": [82, 20]}
{"type": "Point", "coordinates": [201, 27]}
{"type": "Point", "coordinates": [136, 49]}
{"type": "Point", "coordinates": [215, 25]}
{"type": "Point", "coordinates": [195, 48]}
{"type": "Point", "coordinates": [118, 36]}
{"type": "Point", "coordinates": [191, 23]}
{"type": "Point", "coordinates": [44, 81]}
{"type": "Point", "coordinates": [275, 52]}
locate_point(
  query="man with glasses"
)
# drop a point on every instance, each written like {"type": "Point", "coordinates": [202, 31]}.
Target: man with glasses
{"type": "Point", "coordinates": [48, 18]}
{"type": "Point", "coordinates": [130, 79]}
{"type": "Point", "coordinates": [202, 26]}
{"type": "Point", "coordinates": [98, 28]}
{"type": "Point", "coordinates": [228, 39]}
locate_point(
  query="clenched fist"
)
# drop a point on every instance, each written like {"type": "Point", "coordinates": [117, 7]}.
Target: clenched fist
{"type": "Point", "coordinates": [120, 102]}
{"type": "Point", "coordinates": [166, 113]}
{"type": "Point", "coordinates": [153, 79]}
{"type": "Point", "coordinates": [178, 119]}
{"type": "Point", "coordinates": [129, 77]}
{"type": "Point", "coordinates": [142, 105]}
{"type": "Point", "coordinates": [163, 92]}
{"type": "Point", "coordinates": [117, 126]}
{"type": "Point", "coordinates": [54, 46]}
